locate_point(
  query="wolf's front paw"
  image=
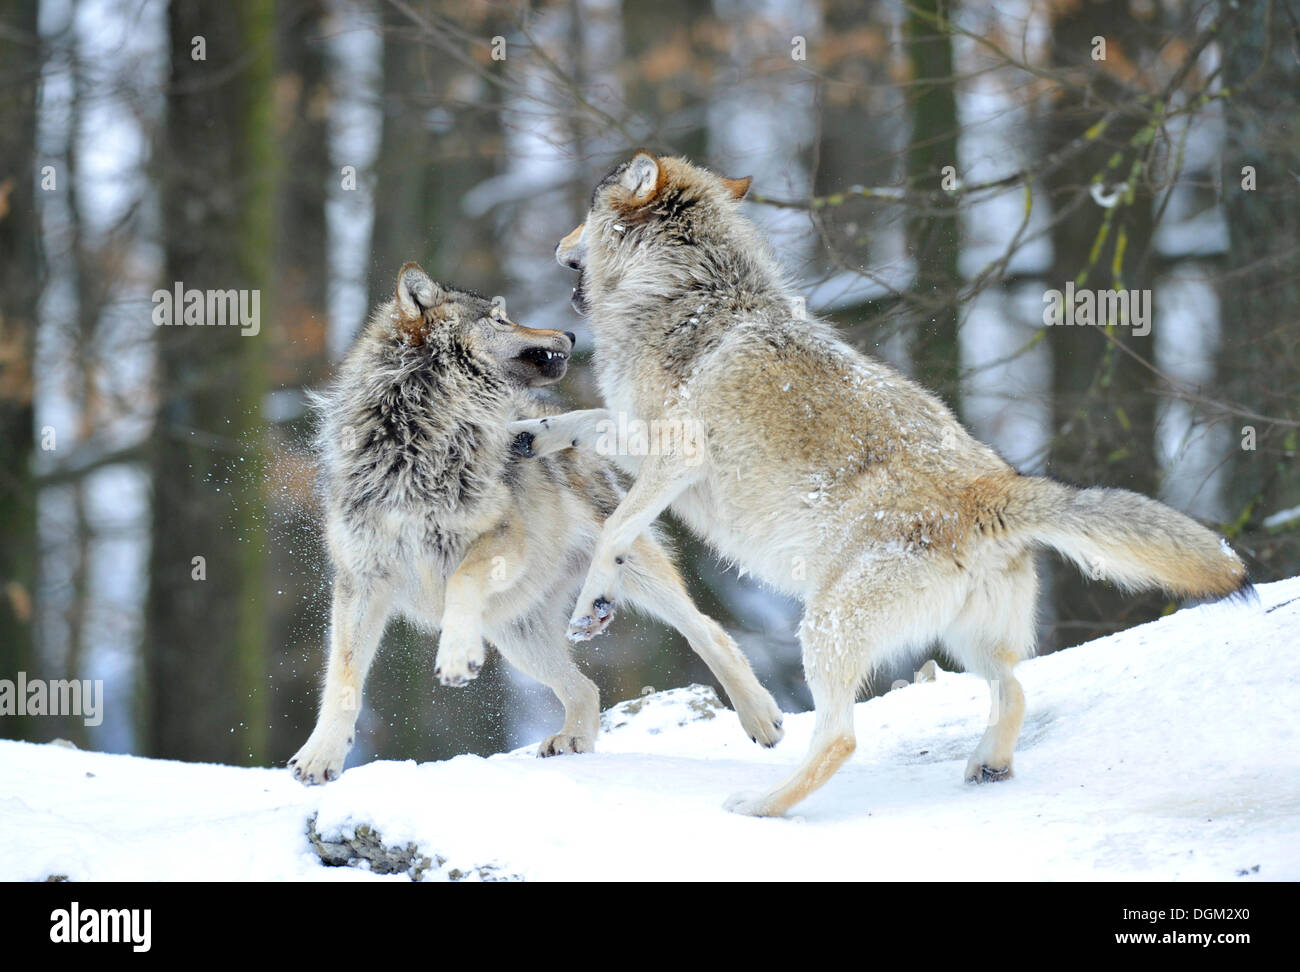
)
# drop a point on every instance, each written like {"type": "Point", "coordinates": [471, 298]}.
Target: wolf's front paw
{"type": "Point", "coordinates": [523, 445]}
{"type": "Point", "coordinates": [538, 437]}
{"type": "Point", "coordinates": [562, 742]}
{"type": "Point", "coordinates": [460, 656]}
{"type": "Point", "coordinates": [586, 624]}
{"type": "Point", "coordinates": [762, 720]}
{"type": "Point", "coordinates": [321, 758]}
{"type": "Point", "coordinates": [750, 805]}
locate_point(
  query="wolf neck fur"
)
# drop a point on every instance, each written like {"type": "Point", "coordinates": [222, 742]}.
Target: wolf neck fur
{"type": "Point", "coordinates": [428, 422]}
{"type": "Point", "coordinates": [684, 311]}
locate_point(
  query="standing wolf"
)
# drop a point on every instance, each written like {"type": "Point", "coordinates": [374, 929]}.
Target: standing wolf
{"type": "Point", "coordinates": [826, 473]}
{"type": "Point", "coordinates": [430, 514]}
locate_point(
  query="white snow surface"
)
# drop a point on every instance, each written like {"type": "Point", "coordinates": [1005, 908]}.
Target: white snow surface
{"type": "Point", "coordinates": [1165, 752]}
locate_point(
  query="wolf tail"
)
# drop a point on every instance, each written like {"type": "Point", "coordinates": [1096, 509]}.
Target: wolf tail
{"type": "Point", "coordinates": [1134, 542]}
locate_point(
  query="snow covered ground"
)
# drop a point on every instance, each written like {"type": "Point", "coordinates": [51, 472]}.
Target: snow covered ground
{"type": "Point", "coordinates": [1169, 751]}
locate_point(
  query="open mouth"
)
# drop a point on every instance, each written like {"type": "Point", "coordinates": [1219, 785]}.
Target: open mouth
{"type": "Point", "coordinates": [547, 365]}
{"type": "Point", "coordinates": [542, 357]}
{"type": "Point", "coordinates": [579, 298]}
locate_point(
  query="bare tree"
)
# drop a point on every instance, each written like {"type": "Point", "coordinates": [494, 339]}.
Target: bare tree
{"type": "Point", "coordinates": [1261, 283]}
{"type": "Point", "coordinates": [205, 647]}
{"type": "Point", "coordinates": [20, 285]}
{"type": "Point", "coordinates": [934, 236]}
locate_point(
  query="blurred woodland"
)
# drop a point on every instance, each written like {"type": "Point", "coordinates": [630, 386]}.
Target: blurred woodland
{"type": "Point", "coordinates": [927, 170]}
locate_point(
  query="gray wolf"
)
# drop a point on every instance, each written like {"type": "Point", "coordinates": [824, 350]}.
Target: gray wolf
{"type": "Point", "coordinates": [824, 472]}
{"type": "Point", "coordinates": [431, 513]}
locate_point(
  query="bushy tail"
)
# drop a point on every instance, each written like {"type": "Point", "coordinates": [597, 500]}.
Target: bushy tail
{"type": "Point", "coordinates": [1125, 538]}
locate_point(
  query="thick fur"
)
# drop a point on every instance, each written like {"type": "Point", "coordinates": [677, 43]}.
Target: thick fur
{"type": "Point", "coordinates": [827, 473]}
{"type": "Point", "coordinates": [430, 513]}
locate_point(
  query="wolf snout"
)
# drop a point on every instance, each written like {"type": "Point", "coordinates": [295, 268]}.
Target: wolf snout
{"type": "Point", "coordinates": [568, 252]}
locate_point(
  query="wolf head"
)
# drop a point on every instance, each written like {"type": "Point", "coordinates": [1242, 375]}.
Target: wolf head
{"type": "Point", "coordinates": [644, 214]}
{"type": "Point", "coordinates": [427, 313]}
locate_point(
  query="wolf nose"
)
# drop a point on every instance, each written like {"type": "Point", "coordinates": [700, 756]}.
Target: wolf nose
{"type": "Point", "coordinates": [573, 339]}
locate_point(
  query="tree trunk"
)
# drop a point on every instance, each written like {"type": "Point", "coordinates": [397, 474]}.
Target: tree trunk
{"type": "Point", "coordinates": [20, 286]}
{"type": "Point", "coordinates": [1260, 358]}
{"type": "Point", "coordinates": [933, 237]}
{"type": "Point", "coordinates": [300, 360]}
{"type": "Point", "coordinates": [205, 692]}
{"type": "Point", "coordinates": [1104, 414]}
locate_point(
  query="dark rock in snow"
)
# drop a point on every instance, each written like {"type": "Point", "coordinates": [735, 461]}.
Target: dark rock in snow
{"type": "Point", "coordinates": [366, 848]}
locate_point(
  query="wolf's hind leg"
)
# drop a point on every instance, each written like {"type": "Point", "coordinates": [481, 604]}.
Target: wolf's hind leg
{"type": "Point", "coordinates": [539, 650]}
{"type": "Point", "coordinates": [991, 761]}
{"type": "Point", "coordinates": [357, 616]}
{"type": "Point", "coordinates": [856, 622]}
{"type": "Point", "coordinates": [652, 584]}
{"type": "Point", "coordinates": [834, 691]}
{"type": "Point", "coordinates": [993, 631]}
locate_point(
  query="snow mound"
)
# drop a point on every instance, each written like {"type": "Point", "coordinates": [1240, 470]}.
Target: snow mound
{"type": "Point", "coordinates": [655, 712]}
{"type": "Point", "coordinates": [1165, 752]}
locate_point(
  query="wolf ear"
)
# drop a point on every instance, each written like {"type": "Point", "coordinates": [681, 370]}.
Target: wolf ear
{"type": "Point", "coordinates": [643, 177]}
{"type": "Point", "coordinates": [738, 187]}
{"type": "Point", "coordinates": [416, 292]}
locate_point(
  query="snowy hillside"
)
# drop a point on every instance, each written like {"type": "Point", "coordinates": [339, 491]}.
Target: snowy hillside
{"type": "Point", "coordinates": [1169, 751]}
